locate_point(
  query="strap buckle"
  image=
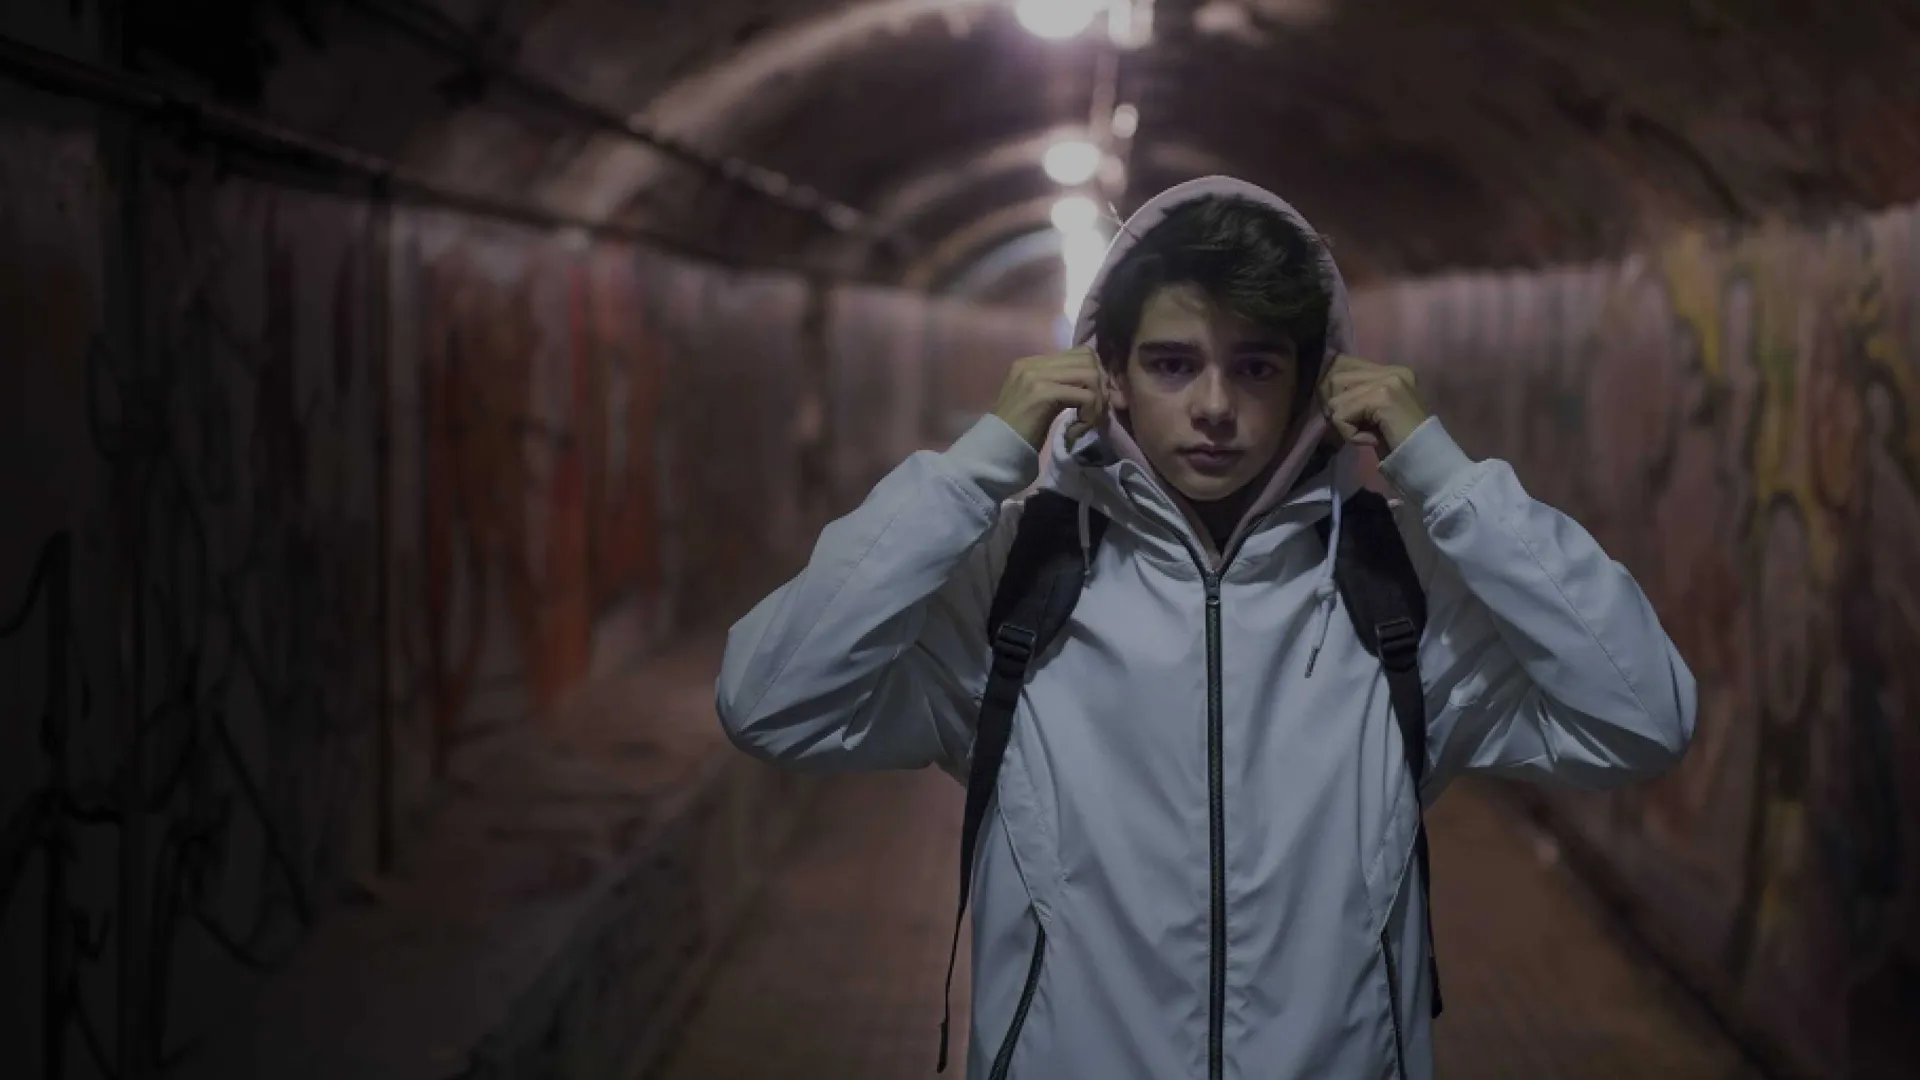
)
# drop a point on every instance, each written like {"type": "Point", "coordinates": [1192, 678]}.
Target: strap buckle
{"type": "Point", "coordinates": [1399, 643]}
{"type": "Point", "coordinates": [1013, 646]}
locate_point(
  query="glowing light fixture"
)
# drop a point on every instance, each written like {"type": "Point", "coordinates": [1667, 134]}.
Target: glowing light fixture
{"type": "Point", "coordinates": [1071, 161]}
{"type": "Point", "coordinates": [1126, 121]}
{"type": "Point", "coordinates": [1057, 20]}
{"type": "Point", "coordinates": [1130, 23]}
{"type": "Point", "coordinates": [1075, 214]}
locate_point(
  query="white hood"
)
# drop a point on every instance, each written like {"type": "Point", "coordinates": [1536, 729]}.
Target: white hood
{"type": "Point", "coordinates": [1156, 209]}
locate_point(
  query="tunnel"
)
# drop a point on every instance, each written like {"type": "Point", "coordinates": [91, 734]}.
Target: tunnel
{"type": "Point", "coordinates": [405, 397]}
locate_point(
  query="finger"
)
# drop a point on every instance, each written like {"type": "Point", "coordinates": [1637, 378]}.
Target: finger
{"type": "Point", "coordinates": [1335, 382]}
{"type": "Point", "coordinates": [1362, 405]}
{"type": "Point", "coordinates": [1066, 394]}
{"type": "Point", "coordinates": [1360, 401]}
{"type": "Point", "coordinates": [1346, 364]}
{"type": "Point", "coordinates": [1348, 360]}
{"type": "Point", "coordinates": [1350, 430]}
{"type": "Point", "coordinates": [1084, 420]}
{"type": "Point", "coordinates": [1085, 373]}
{"type": "Point", "coordinates": [1350, 378]}
{"type": "Point", "coordinates": [1082, 402]}
{"type": "Point", "coordinates": [1090, 416]}
{"type": "Point", "coordinates": [1073, 357]}
{"type": "Point", "coordinates": [1051, 363]}
{"type": "Point", "coordinates": [1336, 364]}
{"type": "Point", "coordinates": [1356, 411]}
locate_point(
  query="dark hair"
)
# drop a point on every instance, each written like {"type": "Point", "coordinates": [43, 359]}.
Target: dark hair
{"type": "Point", "coordinates": [1249, 257]}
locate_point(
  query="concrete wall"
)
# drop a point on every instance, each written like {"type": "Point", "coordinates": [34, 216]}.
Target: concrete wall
{"type": "Point", "coordinates": [1738, 420]}
{"type": "Point", "coordinates": [309, 495]}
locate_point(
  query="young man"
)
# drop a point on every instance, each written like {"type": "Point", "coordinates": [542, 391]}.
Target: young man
{"type": "Point", "coordinates": [1200, 861]}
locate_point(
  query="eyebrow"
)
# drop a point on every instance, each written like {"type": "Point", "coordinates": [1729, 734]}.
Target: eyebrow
{"type": "Point", "coordinates": [1257, 346]}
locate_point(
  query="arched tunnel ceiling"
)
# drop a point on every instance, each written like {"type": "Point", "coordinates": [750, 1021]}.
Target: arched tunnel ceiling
{"type": "Point", "coordinates": [1419, 134]}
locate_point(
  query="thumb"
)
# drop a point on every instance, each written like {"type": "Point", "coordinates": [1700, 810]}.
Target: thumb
{"type": "Point", "coordinates": [1093, 414]}
{"type": "Point", "coordinates": [1079, 427]}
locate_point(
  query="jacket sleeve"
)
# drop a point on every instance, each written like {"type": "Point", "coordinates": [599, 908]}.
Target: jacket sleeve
{"type": "Point", "coordinates": [875, 655]}
{"type": "Point", "coordinates": [1542, 658]}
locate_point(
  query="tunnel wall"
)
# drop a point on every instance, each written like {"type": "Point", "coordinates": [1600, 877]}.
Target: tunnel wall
{"type": "Point", "coordinates": [316, 493]}
{"type": "Point", "coordinates": [1737, 419]}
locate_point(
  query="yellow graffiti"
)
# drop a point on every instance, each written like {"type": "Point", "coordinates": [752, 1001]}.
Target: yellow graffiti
{"type": "Point", "coordinates": [1738, 465]}
{"type": "Point", "coordinates": [1693, 275]}
{"type": "Point", "coordinates": [1694, 271]}
{"type": "Point", "coordinates": [1785, 336]}
{"type": "Point", "coordinates": [1887, 358]}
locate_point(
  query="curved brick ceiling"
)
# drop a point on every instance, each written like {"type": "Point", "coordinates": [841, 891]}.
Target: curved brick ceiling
{"type": "Point", "coordinates": [1419, 134]}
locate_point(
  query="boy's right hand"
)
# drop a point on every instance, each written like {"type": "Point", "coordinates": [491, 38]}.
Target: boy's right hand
{"type": "Point", "coordinates": [1039, 387]}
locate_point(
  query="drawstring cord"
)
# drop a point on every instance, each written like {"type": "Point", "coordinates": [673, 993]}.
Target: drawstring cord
{"type": "Point", "coordinates": [1086, 543]}
{"type": "Point", "coordinates": [1325, 590]}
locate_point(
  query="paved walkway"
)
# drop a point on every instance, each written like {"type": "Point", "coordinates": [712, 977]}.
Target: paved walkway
{"type": "Point", "coordinates": [574, 874]}
{"type": "Point", "coordinates": [836, 974]}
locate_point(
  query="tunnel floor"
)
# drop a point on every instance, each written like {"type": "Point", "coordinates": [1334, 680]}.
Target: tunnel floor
{"type": "Point", "coordinates": [837, 968]}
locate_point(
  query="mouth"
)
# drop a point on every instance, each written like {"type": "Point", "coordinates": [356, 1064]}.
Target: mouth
{"type": "Point", "coordinates": [1211, 460]}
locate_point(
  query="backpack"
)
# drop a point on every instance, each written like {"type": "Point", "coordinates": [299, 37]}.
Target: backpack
{"type": "Point", "coordinates": [1041, 584]}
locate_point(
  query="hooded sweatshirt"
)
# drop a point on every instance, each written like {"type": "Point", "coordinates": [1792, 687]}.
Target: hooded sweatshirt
{"type": "Point", "coordinates": [1197, 862]}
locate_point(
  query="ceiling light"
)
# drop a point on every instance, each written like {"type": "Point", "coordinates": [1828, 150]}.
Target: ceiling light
{"type": "Point", "coordinates": [1057, 19]}
{"type": "Point", "coordinates": [1126, 121]}
{"type": "Point", "coordinates": [1071, 162]}
{"type": "Point", "coordinates": [1224, 18]}
{"type": "Point", "coordinates": [1131, 24]}
{"type": "Point", "coordinates": [1075, 214]}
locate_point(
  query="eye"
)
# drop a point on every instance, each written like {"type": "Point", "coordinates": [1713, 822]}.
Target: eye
{"type": "Point", "coordinates": [1260, 368]}
{"type": "Point", "coordinates": [1171, 366]}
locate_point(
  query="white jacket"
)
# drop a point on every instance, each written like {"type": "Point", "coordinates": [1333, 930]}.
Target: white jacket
{"type": "Point", "coordinates": [1124, 929]}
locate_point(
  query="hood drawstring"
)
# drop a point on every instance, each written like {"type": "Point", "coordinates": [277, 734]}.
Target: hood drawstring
{"type": "Point", "coordinates": [1086, 544]}
{"type": "Point", "coordinates": [1326, 590]}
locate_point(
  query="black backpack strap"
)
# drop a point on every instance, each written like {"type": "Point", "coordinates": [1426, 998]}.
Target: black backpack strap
{"type": "Point", "coordinates": [1031, 605]}
{"type": "Point", "coordinates": [1382, 593]}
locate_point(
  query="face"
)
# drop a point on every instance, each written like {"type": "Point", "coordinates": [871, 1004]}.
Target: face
{"type": "Point", "coordinates": [1208, 395]}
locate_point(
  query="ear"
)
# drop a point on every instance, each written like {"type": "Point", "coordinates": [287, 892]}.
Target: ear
{"type": "Point", "coordinates": [1117, 387]}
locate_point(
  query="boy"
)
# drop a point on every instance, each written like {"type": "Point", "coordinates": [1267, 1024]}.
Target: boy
{"type": "Point", "coordinates": [1205, 856]}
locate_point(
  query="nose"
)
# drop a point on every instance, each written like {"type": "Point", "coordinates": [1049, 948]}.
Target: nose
{"type": "Point", "coordinates": [1212, 401]}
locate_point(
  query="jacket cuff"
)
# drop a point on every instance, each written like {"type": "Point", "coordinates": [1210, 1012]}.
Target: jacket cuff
{"type": "Point", "coordinates": [994, 457]}
{"type": "Point", "coordinates": [1429, 466]}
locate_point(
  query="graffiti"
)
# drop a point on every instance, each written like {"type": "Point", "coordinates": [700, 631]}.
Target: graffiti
{"type": "Point", "coordinates": [48, 819]}
{"type": "Point", "coordinates": [328, 488]}
{"type": "Point", "coordinates": [539, 418]}
{"type": "Point", "coordinates": [220, 683]}
{"type": "Point", "coordinates": [1736, 422]}
{"type": "Point", "coordinates": [619, 358]}
{"type": "Point", "coordinates": [476, 377]}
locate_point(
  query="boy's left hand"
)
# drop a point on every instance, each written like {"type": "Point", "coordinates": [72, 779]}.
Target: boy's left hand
{"type": "Point", "coordinates": [1370, 404]}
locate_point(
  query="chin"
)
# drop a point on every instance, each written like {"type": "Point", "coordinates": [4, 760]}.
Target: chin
{"type": "Point", "coordinates": [1201, 488]}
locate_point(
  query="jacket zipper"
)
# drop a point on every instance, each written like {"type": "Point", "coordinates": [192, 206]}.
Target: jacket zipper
{"type": "Point", "coordinates": [1216, 841]}
{"type": "Point", "coordinates": [1004, 1058]}
{"type": "Point", "coordinates": [1216, 810]}
{"type": "Point", "coordinates": [1393, 1004]}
